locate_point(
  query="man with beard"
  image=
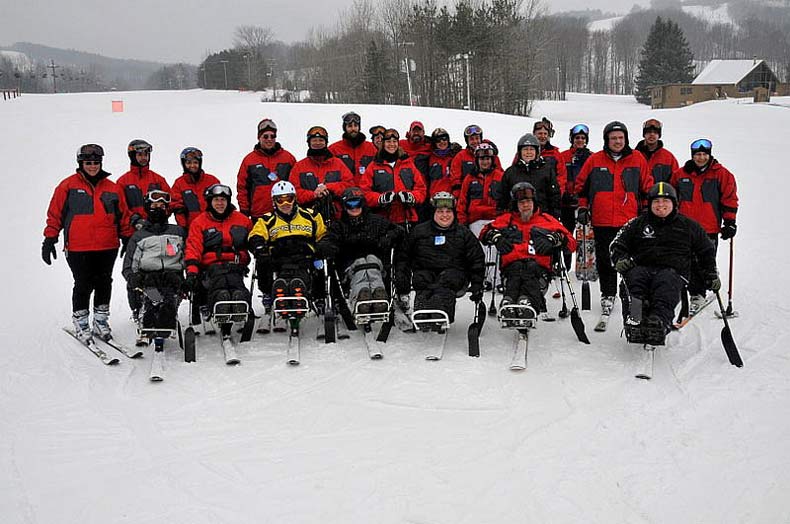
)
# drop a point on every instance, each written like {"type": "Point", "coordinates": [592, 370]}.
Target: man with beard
{"type": "Point", "coordinates": [353, 149]}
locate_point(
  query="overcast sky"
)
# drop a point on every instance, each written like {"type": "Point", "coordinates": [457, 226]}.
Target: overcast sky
{"type": "Point", "coordinates": [178, 30]}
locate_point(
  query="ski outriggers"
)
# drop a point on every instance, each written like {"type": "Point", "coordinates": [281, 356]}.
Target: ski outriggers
{"type": "Point", "coordinates": [653, 252]}
{"type": "Point", "coordinates": [528, 241]}
{"type": "Point", "coordinates": [440, 260]}
{"type": "Point", "coordinates": [217, 261]}
{"type": "Point", "coordinates": [284, 240]}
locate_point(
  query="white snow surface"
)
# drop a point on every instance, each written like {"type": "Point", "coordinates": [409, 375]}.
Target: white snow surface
{"type": "Point", "coordinates": [343, 439]}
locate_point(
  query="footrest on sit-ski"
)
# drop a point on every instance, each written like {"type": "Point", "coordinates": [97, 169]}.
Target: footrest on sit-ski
{"type": "Point", "coordinates": [362, 319]}
{"type": "Point", "coordinates": [230, 312]}
{"type": "Point", "coordinates": [153, 333]}
{"type": "Point", "coordinates": [290, 306]}
{"type": "Point", "coordinates": [430, 320]}
{"type": "Point", "coordinates": [517, 316]}
{"type": "Point", "coordinates": [655, 336]}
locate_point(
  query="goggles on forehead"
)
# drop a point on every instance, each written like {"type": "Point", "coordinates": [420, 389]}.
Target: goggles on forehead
{"type": "Point", "coordinates": [472, 130]}
{"type": "Point", "coordinates": [192, 153]}
{"type": "Point", "coordinates": [141, 148]}
{"type": "Point", "coordinates": [702, 144]}
{"type": "Point", "coordinates": [219, 190]}
{"type": "Point", "coordinates": [351, 118]}
{"type": "Point", "coordinates": [156, 195]}
{"type": "Point", "coordinates": [391, 136]}
{"type": "Point", "coordinates": [580, 129]}
{"type": "Point", "coordinates": [90, 152]}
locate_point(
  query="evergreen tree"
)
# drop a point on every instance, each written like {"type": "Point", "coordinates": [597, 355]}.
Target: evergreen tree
{"type": "Point", "coordinates": [666, 59]}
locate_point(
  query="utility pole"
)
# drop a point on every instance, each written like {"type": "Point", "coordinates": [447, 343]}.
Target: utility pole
{"type": "Point", "coordinates": [225, 69]}
{"type": "Point", "coordinates": [468, 84]}
{"type": "Point", "coordinates": [54, 81]}
{"type": "Point", "coordinates": [408, 70]}
{"type": "Point", "coordinates": [203, 68]}
{"type": "Point", "coordinates": [249, 71]}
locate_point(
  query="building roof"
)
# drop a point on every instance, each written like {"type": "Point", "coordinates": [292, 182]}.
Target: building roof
{"type": "Point", "coordinates": [726, 71]}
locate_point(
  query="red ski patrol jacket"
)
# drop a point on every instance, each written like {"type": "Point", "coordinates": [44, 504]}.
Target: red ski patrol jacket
{"type": "Point", "coordinates": [356, 158]}
{"type": "Point", "coordinates": [463, 164]}
{"type": "Point", "coordinates": [572, 168]}
{"type": "Point", "coordinates": [187, 196]}
{"type": "Point", "coordinates": [439, 173]}
{"type": "Point", "coordinates": [613, 190]}
{"type": "Point", "coordinates": [525, 237]}
{"type": "Point", "coordinates": [211, 241]}
{"type": "Point", "coordinates": [135, 184]}
{"type": "Point", "coordinates": [661, 163]}
{"type": "Point", "coordinates": [311, 171]}
{"type": "Point", "coordinates": [419, 152]}
{"type": "Point", "coordinates": [708, 196]}
{"type": "Point", "coordinates": [382, 177]}
{"type": "Point", "coordinates": [258, 172]}
{"type": "Point", "coordinates": [91, 218]}
{"type": "Point", "coordinates": [479, 197]}
{"type": "Point", "coordinates": [554, 156]}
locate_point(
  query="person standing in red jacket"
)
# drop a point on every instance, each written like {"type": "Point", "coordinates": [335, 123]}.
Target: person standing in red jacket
{"type": "Point", "coordinates": [320, 178]}
{"type": "Point", "coordinates": [216, 255]}
{"type": "Point", "coordinates": [139, 180]}
{"type": "Point", "coordinates": [480, 192]}
{"type": "Point", "coordinates": [418, 147]}
{"type": "Point", "coordinates": [188, 189]}
{"type": "Point", "coordinates": [544, 132]}
{"type": "Point", "coordinates": [707, 192]}
{"type": "Point", "coordinates": [392, 184]}
{"type": "Point", "coordinates": [90, 210]}
{"type": "Point", "coordinates": [463, 162]}
{"type": "Point", "coordinates": [354, 149]}
{"type": "Point", "coordinates": [526, 239]}
{"type": "Point", "coordinates": [611, 187]}
{"type": "Point", "coordinates": [573, 158]}
{"type": "Point", "coordinates": [660, 162]}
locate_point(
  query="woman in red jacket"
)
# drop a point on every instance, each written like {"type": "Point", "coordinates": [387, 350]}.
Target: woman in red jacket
{"type": "Point", "coordinates": [188, 189]}
{"type": "Point", "coordinates": [90, 210]}
{"type": "Point", "coordinates": [392, 184]}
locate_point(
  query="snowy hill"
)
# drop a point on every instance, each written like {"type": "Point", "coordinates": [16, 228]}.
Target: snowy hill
{"type": "Point", "coordinates": [713, 14]}
{"type": "Point", "coordinates": [343, 439]}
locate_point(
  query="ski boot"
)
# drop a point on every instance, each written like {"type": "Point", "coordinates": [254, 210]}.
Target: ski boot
{"type": "Point", "coordinates": [101, 322]}
{"type": "Point", "coordinates": [81, 320]}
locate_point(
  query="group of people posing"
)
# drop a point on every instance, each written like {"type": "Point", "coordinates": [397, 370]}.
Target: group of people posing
{"type": "Point", "coordinates": [422, 211]}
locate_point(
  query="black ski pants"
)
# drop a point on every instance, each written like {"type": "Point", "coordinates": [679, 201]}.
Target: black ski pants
{"type": "Point", "coordinates": [92, 272]}
{"type": "Point", "coordinates": [697, 277]}
{"type": "Point", "coordinates": [527, 278]}
{"type": "Point", "coordinates": [225, 282]}
{"type": "Point", "coordinates": [658, 288]}
{"type": "Point", "coordinates": [438, 290]}
{"type": "Point", "coordinates": [606, 272]}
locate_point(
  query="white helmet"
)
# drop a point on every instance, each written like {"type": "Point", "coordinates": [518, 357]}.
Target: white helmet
{"type": "Point", "coordinates": [283, 187]}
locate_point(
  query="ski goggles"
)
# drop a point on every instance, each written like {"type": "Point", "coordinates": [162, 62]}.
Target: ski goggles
{"type": "Point", "coordinates": [218, 190]}
{"type": "Point", "coordinates": [284, 199]}
{"type": "Point", "coordinates": [441, 138]}
{"type": "Point", "coordinates": [265, 124]}
{"type": "Point", "coordinates": [701, 145]}
{"type": "Point", "coordinates": [192, 153]}
{"type": "Point", "coordinates": [156, 195]}
{"type": "Point", "coordinates": [580, 129]}
{"type": "Point", "coordinates": [651, 125]}
{"type": "Point", "coordinates": [443, 202]}
{"type": "Point", "coordinates": [473, 130]}
{"type": "Point", "coordinates": [91, 162]}
{"type": "Point", "coordinates": [391, 134]}
{"type": "Point", "coordinates": [90, 152]}
{"type": "Point", "coordinates": [317, 132]}
{"type": "Point", "coordinates": [353, 203]}
{"type": "Point", "coordinates": [141, 147]}
{"type": "Point", "coordinates": [377, 131]}
{"type": "Point", "coordinates": [351, 118]}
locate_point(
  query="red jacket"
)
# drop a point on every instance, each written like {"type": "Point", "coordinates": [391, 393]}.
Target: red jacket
{"type": "Point", "coordinates": [187, 196]}
{"type": "Point", "coordinates": [356, 158]}
{"type": "Point", "coordinates": [258, 172]}
{"type": "Point", "coordinates": [211, 241]}
{"type": "Point", "coordinates": [463, 164]}
{"type": "Point", "coordinates": [439, 174]}
{"type": "Point", "coordinates": [92, 219]}
{"type": "Point", "coordinates": [554, 156]}
{"type": "Point", "coordinates": [660, 163]}
{"type": "Point", "coordinates": [380, 178]}
{"type": "Point", "coordinates": [572, 167]}
{"type": "Point", "coordinates": [523, 236]}
{"type": "Point", "coordinates": [708, 197]}
{"type": "Point", "coordinates": [310, 171]}
{"type": "Point", "coordinates": [135, 184]}
{"type": "Point", "coordinates": [479, 197]}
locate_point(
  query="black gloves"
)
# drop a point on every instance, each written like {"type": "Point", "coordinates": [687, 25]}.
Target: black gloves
{"type": "Point", "coordinates": [257, 246]}
{"type": "Point", "coordinates": [624, 265]}
{"type": "Point", "coordinates": [583, 216]}
{"type": "Point", "coordinates": [407, 197]}
{"type": "Point", "coordinates": [729, 229]}
{"type": "Point", "coordinates": [191, 282]}
{"type": "Point", "coordinates": [477, 293]}
{"type": "Point", "coordinates": [557, 239]}
{"type": "Point", "coordinates": [387, 241]}
{"type": "Point", "coordinates": [386, 199]}
{"type": "Point", "coordinates": [124, 245]}
{"type": "Point", "coordinates": [48, 250]}
{"type": "Point", "coordinates": [503, 245]}
{"type": "Point", "coordinates": [713, 282]}
{"type": "Point", "coordinates": [569, 200]}
{"type": "Point", "coordinates": [135, 281]}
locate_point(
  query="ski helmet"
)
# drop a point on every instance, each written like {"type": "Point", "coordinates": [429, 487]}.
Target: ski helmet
{"type": "Point", "coordinates": [484, 150]}
{"type": "Point", "coordinates": [544, 123]}
{"type": "Point", "coordinates": [391, 133]}
{"type": "Point", "coordinates": [651, 124]}
{"type": "Point", "coordinates": [528, 140]}
{"type": "Point", "coordinates": [443, 200]}
{"type": "Point", "coordinates": [522, 191]}
{"type": "Point", "coordinates": [492, 144]}
{"type": "Point", "coordinates": [472, 129]}
{"type": "Point", "coordinates": [665, 190]}
{"type": "Point", "coordinates": [377, 130]}
{"type": "Point", "coordinates": [217, 190]}
{"type": "Point", "coordinates": [317, 132]}
{"type": "Point", "coordinates": [138, 146]}
{"type": "Point", "coordinates": [353, 197]}
{"type": "Point", "coordinates": [283, 187]}
{"type": "Point", "coordinates": [701, 145]}
{"type": "Point", "coordinates": [579, 129]}
{"type": "Point", "coordinates": [90, 152]}
{"type": "Point", "coordinates": [266, 123]}
{"type": "Point", "coordinates": [439, 134]}
{"type": "Point", "coordinates": [614, 126]}
{"type": "Point", "coordinates": [191, 153]}
{"type": "Point", "coordinates": [351, 118]}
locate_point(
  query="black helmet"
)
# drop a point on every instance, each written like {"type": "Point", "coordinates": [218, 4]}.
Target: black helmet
{"type": "Point", "coordinates": [138, 146]}
{"type": "Point", "coordinates": [351, 117]}
{"type": "Point", "coordinates": [217, 190]}
{"type": "Point", "coordinates": [353, 197]}
{"type": "Point", "coordinates": [579, 129]}
{"type": "Point", "coordinates": [528, 140]}
{"type": "Point", "coordinates": [522, 191]}
{"type": "Point", "coordinates": [662, 189]}
{"type": "Point", "coordinates": [191, 153]}
{"type": "Point", "coordinates": [90, 152]}
{"type": "Point", "coordinates": [614, 126]}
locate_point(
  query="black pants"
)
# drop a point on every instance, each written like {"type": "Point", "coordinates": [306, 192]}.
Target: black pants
{"type": "Point", "coordinates": [313, 279]}
{"type": "Point", "coordinates": [438, 290]}
{"type": "Point", "coordinates": [697, 277]}
{"type": "Point", "coordinates": [225, 282]}
{"type": "Point", "coordinates": [606, 272]}
{"type": "Point", "coordinates": [160, 298]}
{"type": "Point", "coordinates": [569, 221]}
{"type": "Point", "coordinates": [527, 277]}
{"type": "Point", "coordinates": [658, 288]}
{"type": "Point", "coordinates": [92, 272]}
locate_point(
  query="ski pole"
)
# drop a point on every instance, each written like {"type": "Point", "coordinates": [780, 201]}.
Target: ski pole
{"type": "Point", "coordinates": [729, 311]}
{"type": "Point", "coordinates": [492, 307]}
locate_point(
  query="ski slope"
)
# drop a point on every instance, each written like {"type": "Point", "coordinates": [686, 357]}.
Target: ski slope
{"type": "Point", "coordinates": [343, 439]}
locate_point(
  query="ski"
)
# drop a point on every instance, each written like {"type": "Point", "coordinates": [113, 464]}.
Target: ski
{"type": "Point", "coordinates": [518, 361]}
{"type": "Point", "coordinates": [157, 366]}
{"type": "Point", "coordinates": [371, 344]}
{"type": "Point", "coordinates": [602, 324]}
{"type": "Point", "coordinates": [679, 325]}
{"type": "Point", "coordinates": [90, 344]}
{"type": "Point", "coordinates": [436, 352]}
{"type": "Point", "coordinates": [229, 349]}
{"type": "Point", "coordinates": [402, 321]}
{"type": "Point", "coordinates": [128, 352]}
{"type": "Point", "coordinates": [294, 344]}
{"type": "Point", "coordinates": [648, 360]}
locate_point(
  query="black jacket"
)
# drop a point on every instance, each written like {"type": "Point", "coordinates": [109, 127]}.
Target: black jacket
{"type": "Point", "coordinates": [669, 242]}
{"type": "Point", "coordinates": [540, 174]}
{"type": "Point", "coordinates": [347, 240]}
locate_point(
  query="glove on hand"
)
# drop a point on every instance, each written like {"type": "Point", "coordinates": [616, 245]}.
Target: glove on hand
{"type": "Point", "coordinates": [258, 247]}
{"type": "Point", "coordinates": [407, 197]}
{"type": "Point", "coordinates": [48, 251]}
{"type": "Point", "coordinates": [503, 245]}
{"type": "Point", "coordinates": [569, 200]}
{"type": "Point", "coordinates": [135, 281]}
{"type": "Point", "coordinates": [477, 294]}
{"type": "Point", "coordinates": [191, 282]}
{"type": "Point", "coordinates": [386, 199]}
{"type": "Point", "coordinates": [624, 265]}
{"type": "Point", "coordinates": [583, 216]}
{"type": "Point", "coordinates": [556, 238]}
{"type": "Point", "coordinates": [728, 230]}
{"type": "Point", "coordinates": [713, 282]}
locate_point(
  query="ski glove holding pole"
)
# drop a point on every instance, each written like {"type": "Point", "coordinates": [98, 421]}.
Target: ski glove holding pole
{"type": "Point", "coordinates": [407, 197]}
{"type": "Point", "coordinates": [729, 229]}
{"type": "Point", "coordinates": [477, 293]}
{"type": "Point", "coordinates": [713, 282]}
{"type": "Point", "coordinates": [583, 216]}
{"type": "Point", "coordinates": [386, 199]}
{"type": "Point", "coordinates": [191, 282]}
{"type": "Point", "coordinates": [503, 245]}
{"type": "Point", "coordinates": [624, 265]}
{"type": "Point", "coordinates": [48, 251]}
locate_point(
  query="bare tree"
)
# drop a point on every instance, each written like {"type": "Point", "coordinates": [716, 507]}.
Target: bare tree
{"type": "Point", "coordinates": [253, 38]}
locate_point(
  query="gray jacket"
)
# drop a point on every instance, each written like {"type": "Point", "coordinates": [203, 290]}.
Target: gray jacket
{"type": "Point", "coordinates": [155, 248]}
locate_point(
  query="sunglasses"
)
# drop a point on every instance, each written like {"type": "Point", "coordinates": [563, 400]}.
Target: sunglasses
{"type": "Point", "coordinates": [284, 199]}
{"type": "Point", "coordinates": [158, 196]}
{"type": "Point", "coordinates": [268, 136]}
{"type": "Point", "coordinates": [354, 203]}
{"type": "Point", "coordinates": [702, 144]}
{"type": "Point", "coordinates": [91, 163]}
{"type": "Point", "coordinates": [580, 129]}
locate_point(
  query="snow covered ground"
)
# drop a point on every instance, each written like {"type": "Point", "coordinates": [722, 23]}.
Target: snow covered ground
{"type": "Point", "coordinates": [343, 439]}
